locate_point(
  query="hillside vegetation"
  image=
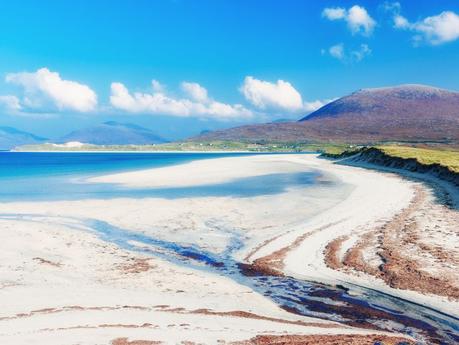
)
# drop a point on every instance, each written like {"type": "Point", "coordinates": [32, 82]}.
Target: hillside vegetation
{"type": "Point", "coordinates": [407, 113]}
{"type": "Point", "coordinates": [444, 157]}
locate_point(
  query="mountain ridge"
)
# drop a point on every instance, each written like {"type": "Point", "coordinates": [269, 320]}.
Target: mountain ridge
{"type": "Point", "coordinates": [113, 133]}
{"type": "Point", "coordinates": [11, 137]}
{"type": "Point", "coordinates": [408, 112]}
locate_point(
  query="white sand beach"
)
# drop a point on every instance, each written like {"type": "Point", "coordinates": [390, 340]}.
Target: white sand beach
{"type": "Point", "coordinates": [62, 283]}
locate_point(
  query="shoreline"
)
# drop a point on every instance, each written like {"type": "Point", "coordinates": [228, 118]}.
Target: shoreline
{"type": "Point", "coordinates": [380, 204]}
{"type": "Point", "coordinates": [317, 271]}
{"type": "Point", "coordinates": [208, 222]}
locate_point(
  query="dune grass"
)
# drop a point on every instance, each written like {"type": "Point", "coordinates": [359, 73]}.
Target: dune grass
{"type": "Point", "coordinates": [445, 157]}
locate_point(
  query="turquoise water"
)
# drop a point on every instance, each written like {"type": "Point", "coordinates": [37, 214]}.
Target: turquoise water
{"type": "Point", "coordinates": [61, 176]}
{"type": "Point", "coordinates": [38, 164]}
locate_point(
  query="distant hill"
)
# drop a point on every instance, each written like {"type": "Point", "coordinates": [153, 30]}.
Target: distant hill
{"type": "Point", "coordinates": [113, 133]}
{"type": "Point", "coordinates": [402, 113]}
{"type": "Point", "coordinates": [11, 137]}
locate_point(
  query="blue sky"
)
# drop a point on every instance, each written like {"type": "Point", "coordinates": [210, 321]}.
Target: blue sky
{"type": "Point", "coordinates": [70, 64]}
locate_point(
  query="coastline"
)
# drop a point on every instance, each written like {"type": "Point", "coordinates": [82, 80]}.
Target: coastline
{"type": "Point", "coordinates": [306, 260]}
{"type": "Point", "coordinates": [370, 204]}
{"type": "Point", "coordinates": [207, 221]}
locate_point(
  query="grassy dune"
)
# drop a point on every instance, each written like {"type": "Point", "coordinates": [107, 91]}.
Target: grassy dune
{"type": "Point", "coordinates": [445, 157]}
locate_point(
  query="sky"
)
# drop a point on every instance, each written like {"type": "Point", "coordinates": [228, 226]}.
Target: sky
{"type": "Point", "coordinates": [180, 67]}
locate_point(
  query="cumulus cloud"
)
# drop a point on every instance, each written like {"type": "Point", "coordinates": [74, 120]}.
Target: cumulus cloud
{"type": "Point", "coordinates": [266, 95]}
{"type": "Point", "coordinates": [334, 13]}
{"type": "Point", "coordinates": [159, 103]}
{"type": "Point", "coordinates": [401, 22]}
{"type": "Point", "coordinates": [195, 91]}
{"type": "Point", "coordinates": [434, 30]}
{"type": "Point", "coordinates": [157, 86]}
{"type": "Point", "coordinates": [46, 90]}
{"type": "Point", "coordinates": [10, 103]}
{"type": "Point", "coordinates": [280, 95]}
{"type": "Point", "coordinates": [338, 51]}
{"type": "Point", "coordinates": [357, 18]}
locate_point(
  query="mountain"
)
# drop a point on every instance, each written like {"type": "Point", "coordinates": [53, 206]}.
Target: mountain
{"type": "Point", "coordinates": [113, 133]}
{"type": "Point", "coordinates": [11, 137]}
{"type": "Point", "coordinates": [401, 113]}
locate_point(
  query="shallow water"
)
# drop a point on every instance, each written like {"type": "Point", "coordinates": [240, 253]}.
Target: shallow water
{"type": "Point", "coordinates": [61, 176]}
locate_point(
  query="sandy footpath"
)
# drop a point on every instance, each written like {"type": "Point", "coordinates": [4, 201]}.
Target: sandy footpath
{"type": "Point", "coordinates": [62, 284]}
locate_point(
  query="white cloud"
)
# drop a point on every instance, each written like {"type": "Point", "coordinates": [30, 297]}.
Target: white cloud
{"type": "Point", "coordinates": [44, 89]}
{"type": "Point", "coordinates": [159, 103]}
{"type": "Point", "coordinates": [280, 95]}
{"type": "Point", "coordinates": [361, 53]}
{"type": "Point", "coordinates": [401, 22]}
{"type": "Point", "coordinates": [195, 91]}
{"type": "Point", "coordinates": [267, 95]}
{"type": "Point", "coordinates": [157, 86]}
{"type": "Point", "coordinates": [10, 103]}
{"type": "Point", "coordinates": [334, 13]}
{"type": "Point", "coordinates": [339, 52]}
{"type": "Point", "coordinates": [434, 30]}
{"type": "Point", "coordinates": [357, 18]}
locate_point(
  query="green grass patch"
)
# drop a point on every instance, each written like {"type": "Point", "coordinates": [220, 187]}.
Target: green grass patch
{"type": "Point", "coordinates": [445, 157]}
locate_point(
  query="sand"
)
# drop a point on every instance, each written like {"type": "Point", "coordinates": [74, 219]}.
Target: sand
{"type": "Point", "coordinates": [62, 284]}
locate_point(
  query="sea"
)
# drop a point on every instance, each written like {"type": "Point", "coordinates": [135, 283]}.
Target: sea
{"type": "Point", "coordinates": [34, 176]}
